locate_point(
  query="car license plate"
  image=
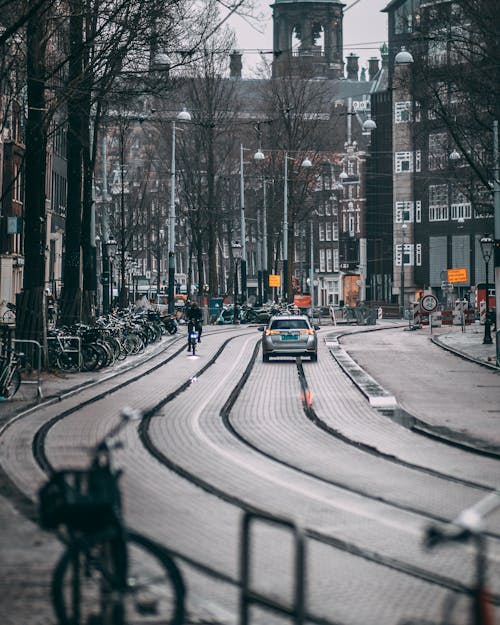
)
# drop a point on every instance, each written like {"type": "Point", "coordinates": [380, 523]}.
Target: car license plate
{"type": "Point", "coordinates": [289, 337]}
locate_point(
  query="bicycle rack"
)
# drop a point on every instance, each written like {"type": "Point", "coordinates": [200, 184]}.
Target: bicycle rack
{"type": "Point", "coordinates": [247, 595]}
{"type": "Point", "coordinates": [38, 381]}
{"type": "Point", "coordinates": [64, 341]}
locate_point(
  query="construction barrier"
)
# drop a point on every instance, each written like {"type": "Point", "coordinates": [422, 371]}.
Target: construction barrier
{"type": "Point", "coordinates": [446, 317]}
{"type": "Point", "coordinates": [460, 312]}
{"type": "Point", "coordinates": [416, 314]}
{"type": "Point", "coordinates": [482, 312]}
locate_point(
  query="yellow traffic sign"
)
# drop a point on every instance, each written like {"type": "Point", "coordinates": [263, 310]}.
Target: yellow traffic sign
{"type": "Point", "coordinates": [457, 275]}
{"type": "Point", "coordinates": [274, 280]}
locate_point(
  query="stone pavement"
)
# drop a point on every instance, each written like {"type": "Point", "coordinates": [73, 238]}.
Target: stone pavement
{"type": "Point", "coordinates": [469, 344]}
{"type": "Point", "coordinates": [25, 550]}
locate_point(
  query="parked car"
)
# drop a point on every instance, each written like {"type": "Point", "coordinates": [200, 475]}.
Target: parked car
{"type": "Point", "coordinates": [289, 335]}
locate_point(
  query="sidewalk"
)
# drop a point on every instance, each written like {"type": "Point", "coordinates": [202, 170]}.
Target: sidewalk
{"type": "Point", "coordinates": [468, 344]}
{"type": "Point", "coordinates": [54, 384]}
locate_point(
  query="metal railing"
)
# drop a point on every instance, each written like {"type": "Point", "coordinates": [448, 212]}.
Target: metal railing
{"type": "Point", "coordinates": [36, 357]}
{"type": "Point", "coordinates": [248, 596]}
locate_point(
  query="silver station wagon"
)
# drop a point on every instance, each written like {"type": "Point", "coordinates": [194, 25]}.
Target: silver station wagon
{"type": "Point", "coordinates": [289, 335]}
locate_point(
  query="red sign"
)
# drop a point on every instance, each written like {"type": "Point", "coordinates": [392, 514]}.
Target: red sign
{"type": "Point", "coordinates": [302, 301]}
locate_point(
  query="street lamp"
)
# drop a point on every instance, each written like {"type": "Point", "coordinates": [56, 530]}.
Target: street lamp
{"type": "Point", "coordinates": [237, 250]}
{"type": "Point", "coordinates": [262, 278]}
{"type": "Point", "coordinates": [183, 116]}
{"type": "Point", "coordinates": [305, 163]}
{"type": "Point", "coordinates": [487, 245]}
{"type": "Point", "coordinates": [404, 227]}
{"type": "Point", "coordinates": [109, 248]}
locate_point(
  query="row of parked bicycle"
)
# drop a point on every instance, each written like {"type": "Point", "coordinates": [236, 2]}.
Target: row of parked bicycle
{"type": "Point", "coordinates": [111, 338]}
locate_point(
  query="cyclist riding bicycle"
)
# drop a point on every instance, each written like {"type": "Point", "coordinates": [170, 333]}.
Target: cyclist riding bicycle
{"type": "Point", "coordinates": [193, 317]}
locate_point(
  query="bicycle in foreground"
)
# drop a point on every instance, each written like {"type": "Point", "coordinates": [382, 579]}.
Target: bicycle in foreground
{"type": "Point", "coordinates": [11, 364]}
{"type": "Point", "coordinates": [466, 528]}
{"type": "Point", "coordinates": [108, 574]}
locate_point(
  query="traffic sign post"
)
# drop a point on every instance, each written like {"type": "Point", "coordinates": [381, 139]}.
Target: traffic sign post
{"type": "Point", "coordinates": [428, 303]}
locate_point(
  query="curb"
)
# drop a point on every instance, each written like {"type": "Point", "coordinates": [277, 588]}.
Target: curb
{"type": "Point", "coordinates": [386, 403]}
{"type": "Point", "coordinates": [437, 341]}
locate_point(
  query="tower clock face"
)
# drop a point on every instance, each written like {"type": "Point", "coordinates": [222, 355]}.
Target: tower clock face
{"type": "Point", "coordinates": [428, 303]}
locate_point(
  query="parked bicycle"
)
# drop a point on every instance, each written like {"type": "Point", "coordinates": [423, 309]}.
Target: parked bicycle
{"type": "Point", "coordinates": [108, 575]}
{"type": "Point", "coordinates": [9, 315]}
{"type": "Point", "coordinates": [11, 363]}
{"type": "Point", "coordinates": [467, 527]}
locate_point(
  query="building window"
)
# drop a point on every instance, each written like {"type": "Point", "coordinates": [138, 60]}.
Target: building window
{"type": "Point", "coordinates": [418, 254]}
{"type": "Point", "coordinates": [328, 231]}
{"type": "Point", "coordinates": [407, 253]}
{"type": "Point", "coordinates": [438, 157]}
{"type": "Point", "coordinates": [336, 263]}
{"type": "Point", "coordinates": [402, 112]}
{"type": "Point", "coordinates": [437, 49]}
{"type": "Point", "coordinates": [322, 232]}
{"type": "Point", "coordinates": [322, 260]}
{"type": "Point", "coordinates": [461, 211]}
{"type": "Point", "coordinates": [335, 231]}
{"type": "Point", "coordinates": [329, 263]}
{"type": "Point", "coordinates": [438, 202]}
{"type": "Point", "coordinates": [404, 212]}
{"type": "Point", "coordinates": [403, 161]}
{"type": "Point", "coordinates": [418, 211]}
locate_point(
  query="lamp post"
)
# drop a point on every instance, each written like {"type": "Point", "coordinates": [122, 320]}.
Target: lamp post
{"type": "Point", "coordinates": [183, 116]}
{"type": "Point", "coordinates": [259, 157]}
{"type": "Point", "coordinates": [404, 227]}
{"type": "Point", "coordinates": [305, 163]}
{"type": "Point", "coordinates": [109, 248]}
{"type": "Point", "coordinates": [237, 249]}
{"type": "Point", "coordinates": [487, 245]}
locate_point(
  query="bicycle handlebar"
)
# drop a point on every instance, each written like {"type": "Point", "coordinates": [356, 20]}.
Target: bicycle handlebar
{"type": "Point", "coordinates": [127, 414]}
{"type": "Point", "coordinates": [467, 524]}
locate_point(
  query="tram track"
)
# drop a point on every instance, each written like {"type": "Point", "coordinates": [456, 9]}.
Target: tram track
{"type": "Point", "coordinates": [225, 415]}
{"type": "Point", "coordinates": [351, 548]}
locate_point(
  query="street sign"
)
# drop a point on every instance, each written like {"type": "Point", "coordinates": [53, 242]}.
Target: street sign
{"type": "Point", "coordinates": [457, 276]}
{"type": "Point", "coordinates": [428, 303]}
{"type": "Point", "coordinates": [274, 280]}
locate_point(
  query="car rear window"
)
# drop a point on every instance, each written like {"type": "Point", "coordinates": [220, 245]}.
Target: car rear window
{"type": "Point", "coordinates": [289, 324]}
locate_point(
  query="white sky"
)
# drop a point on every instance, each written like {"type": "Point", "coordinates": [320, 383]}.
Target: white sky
{"type": "Point", "coordinates": [365, 29]}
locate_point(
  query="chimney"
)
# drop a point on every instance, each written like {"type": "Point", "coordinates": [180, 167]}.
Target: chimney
{"type": "Point", "coordinates": [235, 64]}
{"type": "Point", "coordinates": [384, 53]}
{"type": "Point", "coordinates": [352, 67]}
{"type": "Point", "coordinates": [373, 67]}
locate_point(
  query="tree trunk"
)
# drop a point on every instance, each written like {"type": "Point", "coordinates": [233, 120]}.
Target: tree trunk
{"type": "Point", "coordinates": [213, 286]}
{"type": "Point", "coordinates": [89, 252]}
{"type": "Point", "coordinates": [72, 294]}
{"type": "Point", "coordinates": [30, 317]}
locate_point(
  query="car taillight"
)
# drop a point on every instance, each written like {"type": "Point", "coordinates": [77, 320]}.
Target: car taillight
{"type": "Point", "coordinates": [308, 331]}
{"type": "Point", "coordinates": [269, 332]}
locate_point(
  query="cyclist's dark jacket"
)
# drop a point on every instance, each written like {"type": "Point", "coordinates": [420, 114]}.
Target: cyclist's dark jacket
{"type": "Point", "coordinates": [194, 314]}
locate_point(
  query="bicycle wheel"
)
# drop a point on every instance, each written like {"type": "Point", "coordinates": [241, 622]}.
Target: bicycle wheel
{"type": "Point", "coordinates": [86, 586]}
{"type": "Point", "coordinates": [10, 389]}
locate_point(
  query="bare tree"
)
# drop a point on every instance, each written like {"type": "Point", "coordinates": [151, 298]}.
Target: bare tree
{"type": "Point", "coordinates": [205, 149]}
{"type": "Point", "coordinates": [300, 112]}
{"type": "Point", "coordinates": [456, 81]}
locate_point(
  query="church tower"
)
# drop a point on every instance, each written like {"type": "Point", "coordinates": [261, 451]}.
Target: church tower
{"type": "Point", "coordinates": [307, 38]}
